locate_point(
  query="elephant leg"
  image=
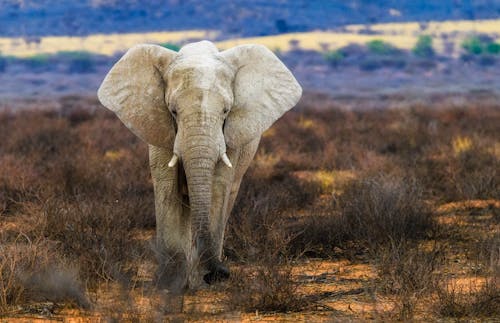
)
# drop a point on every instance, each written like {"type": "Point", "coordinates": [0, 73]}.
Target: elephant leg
{"type": "Point", "coordinates": [173, 227]}
{"type": "Point", "coordinates": [221, 187]}
{"type": "Point", "coordinates": [226, 185]}
{"type": "Point", "coordinates": [246, 155]}
{"type": "Point", "coordinates": [225, 189]}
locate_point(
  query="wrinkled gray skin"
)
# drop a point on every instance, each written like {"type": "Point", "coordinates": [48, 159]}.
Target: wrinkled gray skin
{"type": "Point", "coordinates": [202, 112]}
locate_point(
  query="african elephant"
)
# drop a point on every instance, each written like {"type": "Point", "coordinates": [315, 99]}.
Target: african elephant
{"type": "Point", "coordinates": [202, 112]}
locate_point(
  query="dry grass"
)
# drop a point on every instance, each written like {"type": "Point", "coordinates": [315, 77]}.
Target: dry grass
{"type": "Point", "coordinates": [471, 302]}
{"type": "Point", "coordinates": [76, 208]}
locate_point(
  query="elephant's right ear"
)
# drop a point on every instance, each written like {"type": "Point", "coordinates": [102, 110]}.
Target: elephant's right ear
{"type": "Point", "coordinates": [134, 89]}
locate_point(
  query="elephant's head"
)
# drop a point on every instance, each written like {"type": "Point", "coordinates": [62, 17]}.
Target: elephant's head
{"type": "Point", "coordinates": [198, 102]}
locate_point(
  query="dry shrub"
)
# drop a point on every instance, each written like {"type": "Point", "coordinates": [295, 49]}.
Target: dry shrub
{"type": "Point", "coordinates": [476, 302]}
{"type": "Point", "coordinates": [485, 254]}
{"type": "Point", "coordinates": [97, 234]}
{"type": "Point", "coordinates": [85, 178]}
{"type": "Point", "coordinates": [389, 216]}
{"type": "Point", "coordinates": [258, 235]}
{"type": "Point", "coordinates": [461, 162]}
{"type": "Point", "coordinates": [385, 218]}
{"type": "Point", "coordinates": [313, 139]}
{"type": "Point", "coordinates": [408, 272]}
{"type": "Point", "coordinates": [372, 212]}
{"type": "Point", "coordinates": [386, 210]}
{"type": "Point", "coordinates": [267, 287]}
{"type": "Point", "coordinates": [35, 271]}
{"type": "Point", "coordinates": [475, 175]}
{"type": "Point", "coordinates": [259, 222]}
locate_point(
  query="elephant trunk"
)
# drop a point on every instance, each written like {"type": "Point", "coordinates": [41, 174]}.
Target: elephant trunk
{"type": "Point", "coordinates": [199, 163]}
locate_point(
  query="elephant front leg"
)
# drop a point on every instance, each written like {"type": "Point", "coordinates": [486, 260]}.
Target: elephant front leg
{"type": "Point", "coordinates": [221, 187]}
{"type": "Point", "coordinates": [225, 189]}
{"type": "Point", "coordinates": [173, 227]}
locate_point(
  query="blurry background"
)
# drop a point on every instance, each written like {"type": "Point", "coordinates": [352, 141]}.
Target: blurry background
{"type": "Point", "coordinates": [415, 50]}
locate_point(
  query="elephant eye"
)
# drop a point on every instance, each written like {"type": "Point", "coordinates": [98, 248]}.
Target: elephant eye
{"type": "Point", "coordinates": [174, 112]}
{"type": "Point", "coordinates": [226, 110]}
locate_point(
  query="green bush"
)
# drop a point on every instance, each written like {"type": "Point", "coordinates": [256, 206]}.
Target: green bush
{"type": "Point", "coordinates": [473, 45]}
{"type": "Point", "coordinates": [171, 46]}
{"type": "Point", "coordinates": [493, 48]}
{"type": "Point", "coordinates": [380, 47]}
{"type": "Point", "coordinates": [476, 45]}
{"type": "Point", "coordinates": [334, 57]}
{"type": "Point", "coordinates": [423, 48]}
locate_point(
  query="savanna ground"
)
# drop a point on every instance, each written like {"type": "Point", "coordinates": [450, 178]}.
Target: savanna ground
{"type": "Point", "coordinates": [361, 214]}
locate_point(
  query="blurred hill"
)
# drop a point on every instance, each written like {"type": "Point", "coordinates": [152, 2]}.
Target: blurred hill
{"type": "Point", "coordinates": [237, 17]}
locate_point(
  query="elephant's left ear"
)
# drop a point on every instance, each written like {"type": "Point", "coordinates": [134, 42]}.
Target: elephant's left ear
{"type": "Point", "coordinates": [264, 89]}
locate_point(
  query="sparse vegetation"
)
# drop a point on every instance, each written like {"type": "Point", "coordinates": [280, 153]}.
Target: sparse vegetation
{"type": "Point", "coordinates": [334, 57]}
{"type": "Point", "coordinates": [355, 187]}
{"type": "Point", "coordinates": [270, 287]}
{"type": "Point", "coordinates": [380, 47]}
{"type": "Point", "coordinates": [423, 48]}
{"type": "Point", "coordinates": [77, 61]}
{"type": "Point", "coordinates": [39, 62]}
{"type": "Point", "coordinates": [473, 301]}
{"type": "Point", "coordinates": [480, 48]}
{"type": "Point", "coordinates": [477, 45]}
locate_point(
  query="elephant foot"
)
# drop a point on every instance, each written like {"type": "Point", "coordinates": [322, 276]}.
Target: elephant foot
{"type": "Point", "coordinates": [218, 272]}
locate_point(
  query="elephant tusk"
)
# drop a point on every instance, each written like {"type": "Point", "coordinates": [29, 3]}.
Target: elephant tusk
{"type": "Point", "coordinates": [173, 161]}
{"type": "Point", "coordinates": [226, 160]}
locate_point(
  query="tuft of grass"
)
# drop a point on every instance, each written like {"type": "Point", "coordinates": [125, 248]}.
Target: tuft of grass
{"type": "Point", "coordinates": [475, 302]}
{"type": "Point", "coordinates": [408, 272]}
{"type": "Point", "coordinates": [271, 287]}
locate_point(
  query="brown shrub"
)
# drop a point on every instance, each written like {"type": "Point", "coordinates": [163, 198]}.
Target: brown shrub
{"type": "Point", "coordinates": [271, 287]}
{"type": "Point", "coordinates": [35, 271]}
{"type": "Point", "coordinates": [476, 302]}
{"type": "Point", "coordinates": [386, 210]}
{"type": "Point", "coordinates": [372, 213]}
{"type": "Point", "coordinates": [408, 272]}
{"type": "Point", "coordinates": [97, 234]}
{"type": "Point", "coordinates": [259, 222]}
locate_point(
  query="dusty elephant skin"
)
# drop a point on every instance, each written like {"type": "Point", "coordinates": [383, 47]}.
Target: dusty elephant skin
{"type": "Point", "coordinates": [202, 112]}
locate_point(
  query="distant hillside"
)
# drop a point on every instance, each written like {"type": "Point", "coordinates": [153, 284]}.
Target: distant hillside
{"type": "Point", "coordinates": [236, 17]}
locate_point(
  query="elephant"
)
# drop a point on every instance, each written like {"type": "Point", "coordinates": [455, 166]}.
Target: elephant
{"type": "Point", "coordinates": [202, 113]}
